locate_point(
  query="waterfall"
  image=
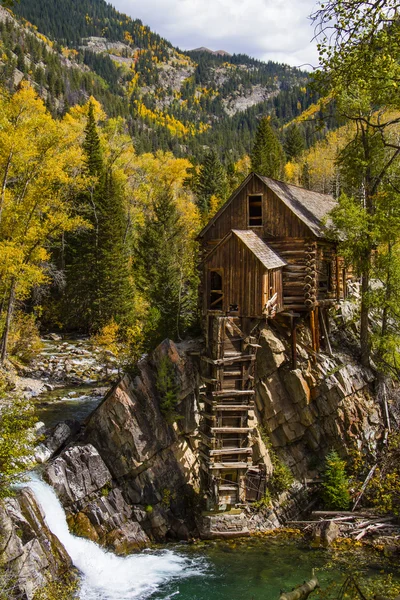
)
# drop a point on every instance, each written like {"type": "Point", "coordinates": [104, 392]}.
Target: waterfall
{"type": "Point", "coordinates": [105, 576]}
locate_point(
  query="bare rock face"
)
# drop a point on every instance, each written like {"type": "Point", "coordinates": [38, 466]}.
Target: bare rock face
{"type": "Point", "coordinates": [29, 551]}
{"type": "Point", "coordinates": [316, 407]}
{"type": "Point", "coordinates": [134, 475]}
{"type": "Point", "coordinates": [77, 473]}
{"type": "Point", "coordinates": [95, 510]}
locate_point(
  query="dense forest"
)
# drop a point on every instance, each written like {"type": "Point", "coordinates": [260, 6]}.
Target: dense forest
{"type": "Point", "coordinates": [181, 102]}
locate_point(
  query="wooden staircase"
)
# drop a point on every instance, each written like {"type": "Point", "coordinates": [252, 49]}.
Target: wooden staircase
{"type": "Point", "coordinates": [227, 401]}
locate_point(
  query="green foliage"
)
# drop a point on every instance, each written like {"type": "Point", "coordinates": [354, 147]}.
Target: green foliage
{"type": "Point", "coordinates": [267, 156]}
{"type": "Point", "coordinates": [167, 497]}
{"type": "Point", "coordinates": [281, 478]}
{"type": "Point", "coordinates": [16, 442]}
{"type": "Point", "coordinates": [335, 485]}
{"type": "Point", "coordinates": [211, 181]}
{"type": "Point", "coordinates": [98, 286]}
{"type": "Point", "coordinates": [167, 388]}
{"type": "Point", "coordinates": [294, 142]}
{"type": "Point", "coordinates": [264, 502]}
{"type": "Point", "coordinates": [383, 491]}
{"type": "Point", "coordinates": [160, 267]}
{"type": "Point", "coordinates": [24, 340]}
{"type": "Point", "coordinates": [65, 588]}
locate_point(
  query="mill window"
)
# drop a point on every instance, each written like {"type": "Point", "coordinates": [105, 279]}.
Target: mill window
{"type": "Point", "coordinates": [255, 211]}
{"type": "Point", "coordinates": [216, 291]}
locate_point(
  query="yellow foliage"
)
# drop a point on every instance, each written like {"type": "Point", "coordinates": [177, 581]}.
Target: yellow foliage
{"type": "Point", "coordinates": [291, 172]}
{"type": "Point", "coordinates": [37, 179]}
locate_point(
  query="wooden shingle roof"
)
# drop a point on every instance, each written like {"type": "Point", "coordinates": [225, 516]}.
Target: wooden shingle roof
{"type": "Point", "coordinates": [264, 253]}
{"type": "Point", "coordinates": [310, 207]}
{"type": "Point", "coordinates": [268, 258]}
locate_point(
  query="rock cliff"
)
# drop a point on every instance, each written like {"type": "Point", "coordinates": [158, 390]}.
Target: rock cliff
{"type": "Point", "coordinates": [326, 402]}
{"type": "Point", "coordinates": [31, 555]}
{"type": "Point", "coordinates": [133, 476]}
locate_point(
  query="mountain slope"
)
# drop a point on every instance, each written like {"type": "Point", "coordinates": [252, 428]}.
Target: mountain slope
{"type": "Point", "coordinates": [172, 100]}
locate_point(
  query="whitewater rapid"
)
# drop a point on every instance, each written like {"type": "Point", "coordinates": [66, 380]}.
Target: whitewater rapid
{"type": "Point", "coordinates": [105, 576]}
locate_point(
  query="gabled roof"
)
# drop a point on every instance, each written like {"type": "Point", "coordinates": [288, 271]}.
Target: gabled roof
{"type": "Point", "coordinates": [310, 207]}
{"type": "Point", "coordinates": [267, 257]}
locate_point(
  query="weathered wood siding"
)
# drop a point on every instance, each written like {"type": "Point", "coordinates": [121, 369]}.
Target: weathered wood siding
{"type": "Point", "coordinates": [278, 220]}
{"type": "Point", "coordinates": [243, 279]}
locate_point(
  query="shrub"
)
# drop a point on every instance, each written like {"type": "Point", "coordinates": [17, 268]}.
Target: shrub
{"type": "Point", "coordinates": [282, 477]}
{"type": "Point", "coordinates": [167, 388]}
{"type": "Point", "coordinates": [24, 340]}
{"type": "Point", "coordinates": [335, 484]}
{"type": "Point", "coordinates": [16, 441]}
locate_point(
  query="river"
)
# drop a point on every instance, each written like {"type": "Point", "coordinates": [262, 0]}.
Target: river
{"type": "Point", "coordinates": [248, 569]}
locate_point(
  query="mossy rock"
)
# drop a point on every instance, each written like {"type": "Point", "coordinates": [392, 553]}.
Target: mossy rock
{"type": "Point", "coordinates": [81, 526]}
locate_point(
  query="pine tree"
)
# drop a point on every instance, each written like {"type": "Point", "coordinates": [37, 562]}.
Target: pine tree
{"type": "Point", "coordinates": [98, 287]}
{"type": "Point", "coordinates": [114, 293]}
{"type": "Point", "coordinates": [267, 156]}
{"type": "Point", "coordinates": [212, 181]}
{"type": "Point", "coordinates": [91, 145]}
{"type": "Point", "coordinates": [158, 267]}
{"type": "Point", "coordinates": [294, 142]}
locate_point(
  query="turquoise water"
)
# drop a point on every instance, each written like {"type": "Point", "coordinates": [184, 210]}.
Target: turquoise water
{"type": "Point", "coordinates": [261, 569]}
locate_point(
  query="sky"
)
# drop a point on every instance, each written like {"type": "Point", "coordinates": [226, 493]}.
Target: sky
{"type": "Point", "coordinates": [277, 30]}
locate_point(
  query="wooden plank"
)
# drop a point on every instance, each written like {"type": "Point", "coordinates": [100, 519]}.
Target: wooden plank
{"type": "Point", "coordinates": [234, 407]}
{"type": "Point", "coordinates": [232, 393]}
{"type": "Point", "coordinates": [234, 465]}
{"type": "Point", "coordinates": [231, 429]}
{"type": "Point", "coordinates": [227, 451]}
{"type": "Point", "coordinates": [229, 361]}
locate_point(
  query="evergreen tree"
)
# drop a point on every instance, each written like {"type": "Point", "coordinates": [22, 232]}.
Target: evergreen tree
{"type": "Point", "coordinates": [114, 293]}
{"type": "Point", "coordinates": [212, 181]}
{"type": "Point", "coordinates": [158, 267]}
{"type": "Point", "coordinates": [91, 145]}
{"type": "Point", "coordinates": [98, 288]}
{"type": "Point", "coordinates": [335, 484]}
{"type": "Point", "coordinates": [294, 142]}
{"type": "Point", "coordinates": [267, 156]}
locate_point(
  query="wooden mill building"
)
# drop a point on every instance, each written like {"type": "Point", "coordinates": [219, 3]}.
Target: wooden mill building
{"type": "Point", "coordinates": [264, 252]}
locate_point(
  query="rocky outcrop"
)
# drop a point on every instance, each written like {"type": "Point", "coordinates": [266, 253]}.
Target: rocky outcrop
{"type": "Point", "coordinates": [30, 554]}
{"type": "Point", "coordinates": [133, 476]}
{"type": "Point", "coordinates": [318, 406]}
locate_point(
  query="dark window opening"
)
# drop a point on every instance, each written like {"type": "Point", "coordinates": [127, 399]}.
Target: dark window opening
{"type": "Point", "coordinates": [325, 276]}
{"type": "Point", "coordinates": [216, 293]}
{"type": "Point", "coordinates": [255, 211]}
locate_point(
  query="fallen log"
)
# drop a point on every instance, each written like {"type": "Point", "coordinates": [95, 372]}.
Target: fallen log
{"type": "Point", "coordinates": [303, 591]}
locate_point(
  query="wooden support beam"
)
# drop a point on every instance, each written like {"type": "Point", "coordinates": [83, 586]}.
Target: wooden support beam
{"type": "Point", "coordinates": [231, 429]}
{"type": "Point", "coordinates": [228, 465]}
{"type": "Point", "coordinates": [325, 332]}
{"type": "Point", "coordinates": [223, 451]}
{"type": "Point", "coordinates": [233, 407]}
{"type": "Point", "coordinates": [232, 393]}
{"type": "Point", "coordinates": [229, 361]}
{"type": "Point", "coordinates": [294, 342]}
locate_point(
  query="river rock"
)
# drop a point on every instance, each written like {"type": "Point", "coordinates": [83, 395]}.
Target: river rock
{"type": "Point", "coordinates": [31, 553]}
{"type": "Point", "coordinates": [78, 472]}
{"type": "Point", "coordinates": [324, 534]}
{"type": "Point", "coordinates": [55, 440]}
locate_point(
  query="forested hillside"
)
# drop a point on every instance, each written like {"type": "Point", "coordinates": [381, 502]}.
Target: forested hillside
{"type": "Point", "coordinates": [183, 102]}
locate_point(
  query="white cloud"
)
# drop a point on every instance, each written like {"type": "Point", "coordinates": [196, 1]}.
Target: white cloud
{"type": "Point", "coordinates": [267, 29]}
